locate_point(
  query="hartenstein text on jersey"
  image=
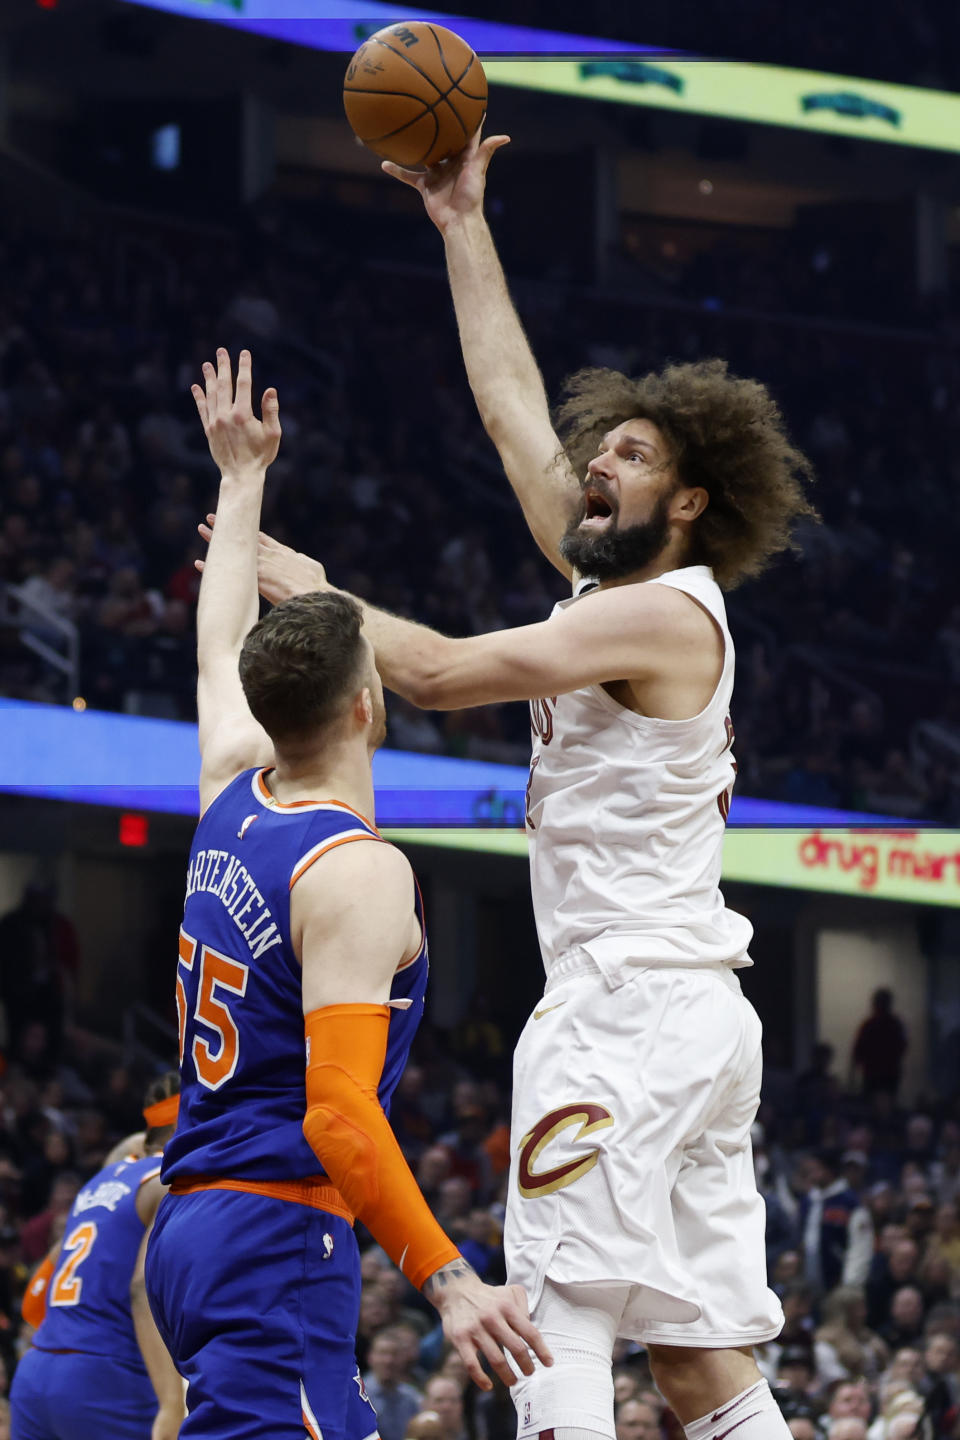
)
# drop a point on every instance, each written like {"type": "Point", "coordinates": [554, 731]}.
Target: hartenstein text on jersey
{"type": "Point", "coordinates": [219, 873]}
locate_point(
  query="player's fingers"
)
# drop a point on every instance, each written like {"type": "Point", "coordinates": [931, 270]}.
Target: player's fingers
{"type": "Point", "coordinates": [492, 143]}
{"type": "Point", "coordinates": [270, 410]}
{"type": "Point", "coordinates": [492, 1348]}
{"type": "Point", "coordinates": [198, 565]}
{"type": "Point", "coordinates": [224, 382]}
{"type": "Point", "coordinates": [210, 386]}
{"type": "Point", "coordinates": [504, 1327]}
{"type": "Point", "coordinates": [535, 1340]}
{"type": "Point", "coordinates": [466, 1346]}
{"type": "Point", "coordinates": [244, 384]}
{"type": "Point", "coordinates": [518, 1314]}
{"type": "Point", "coordinates": [409, 177]}
{"type": "Point", "coordinates": [200, 400]}
{"type": "Point", "coordinates": [205, 533]}
{"type": "Point", "coordinates": [211, 519]}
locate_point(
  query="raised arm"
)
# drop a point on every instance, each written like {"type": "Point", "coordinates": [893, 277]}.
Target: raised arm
{"type": "Point", "coordinates": [647, 634]}
{"type": "Point", "coordinates": [353, 923]}
{"type": "Point", "coordinates": [242, 447]}
{"type": "Point", "coordinates": [503, 374]}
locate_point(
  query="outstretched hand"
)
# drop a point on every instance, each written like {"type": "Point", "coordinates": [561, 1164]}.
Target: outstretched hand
{"type": "Point", "coordinates": [484, 1321]}
{"type": "Point", "coordinates": [453, 189]}
{"type": "Point", "coordinates": [281, 571]}
{"type": "Point", "coordinates": [239, 442]}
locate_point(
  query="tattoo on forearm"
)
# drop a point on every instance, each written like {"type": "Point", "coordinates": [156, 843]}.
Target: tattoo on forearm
{"type": "Point", "coordinates": [454, 1270]}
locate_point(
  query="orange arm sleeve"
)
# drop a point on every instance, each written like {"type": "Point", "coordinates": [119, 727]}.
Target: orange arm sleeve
{"type": "Point", "coordinates": [34, 1306]}
{"type": "Point", "coordinates": [350, 1135]}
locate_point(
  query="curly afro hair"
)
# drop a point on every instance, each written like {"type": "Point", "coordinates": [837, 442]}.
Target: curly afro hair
{"type": "Point", "coordinates": [725, 434]}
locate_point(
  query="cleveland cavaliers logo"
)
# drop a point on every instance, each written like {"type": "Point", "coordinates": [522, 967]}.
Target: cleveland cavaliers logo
{"type": "Point", "coordinates": [590, 1117]}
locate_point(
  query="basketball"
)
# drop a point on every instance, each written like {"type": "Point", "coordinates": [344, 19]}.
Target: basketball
{"type": "Point", "coordinates": [415, 93]}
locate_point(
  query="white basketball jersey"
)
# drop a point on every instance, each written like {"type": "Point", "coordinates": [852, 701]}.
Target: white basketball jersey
{"type": "Point", "coordinates": [626, 817]}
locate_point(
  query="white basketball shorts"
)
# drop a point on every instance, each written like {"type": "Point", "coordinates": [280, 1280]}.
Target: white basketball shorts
{"type": "Point", "coordinates": [631, 1161]}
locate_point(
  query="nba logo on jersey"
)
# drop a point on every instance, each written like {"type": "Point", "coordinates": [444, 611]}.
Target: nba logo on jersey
{"type": "Point", "coordinates": [327, 1246]}
{"type": "Point", "coordinates": [526, 1414]}
{"type": "Point", "coordinates": [246, 826]}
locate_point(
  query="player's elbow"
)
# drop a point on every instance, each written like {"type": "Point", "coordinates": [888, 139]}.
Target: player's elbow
{"type": "Point", "coordinates": [433, 681]}
{"type": "Point", "coordinates": [430, 692]}
{"type": "Point", "coordinates": [337, 1128]}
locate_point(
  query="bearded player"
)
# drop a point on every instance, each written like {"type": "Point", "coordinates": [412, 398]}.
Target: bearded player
{"type": "Point", "coordinates": [633, 1210]}
{"type": "Point", "coordinates": [302, 936]}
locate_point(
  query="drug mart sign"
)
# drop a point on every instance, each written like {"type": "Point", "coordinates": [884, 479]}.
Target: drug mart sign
{"type": "Point", "coordinates": [917, 866]}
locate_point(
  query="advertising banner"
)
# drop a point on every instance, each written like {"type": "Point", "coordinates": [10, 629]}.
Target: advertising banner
{"type": "Point", "coordinates": [767, 94]}
{"type": "Point", "coordinates": [920, 867]}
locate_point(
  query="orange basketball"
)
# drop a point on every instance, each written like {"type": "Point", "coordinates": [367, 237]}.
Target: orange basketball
{"type": "Point", "coordinates": [415, 93]}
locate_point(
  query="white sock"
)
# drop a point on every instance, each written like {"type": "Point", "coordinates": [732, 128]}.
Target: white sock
{"type": "Point", "coordinates": [752, 1415]}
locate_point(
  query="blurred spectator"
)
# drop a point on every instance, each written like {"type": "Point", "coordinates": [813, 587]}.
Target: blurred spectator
{"type": "Point", "coordinates": [39, 960]}
{"type": "Point", "coordinates": [905, 1325]}
{"type": "Point", "coordinates": [849, 1428]}
{"type": "Point", "coordinates": [469, 1160]}
{"type": "Point", "coordinates": [940, 1385]}
{"type": "Point", "coordinates": [636, 1420]}
{"type": "Point", "coordinates": [39, 1234]}
{"type": "Point", "coordinates": [837, 1229]}
{"type": "Point", "coordinates": [425, 1425]}
{"type": "Point", "coordinates": [796, 1374]}
{"type": "Point", "coordinates": [880, 1046]}
{"type": "Point", "coordinates": [395, 1401]}
{"type": "Point", "coordinates": [847, 1399]}
{"type": "Point", "coordinates": [894, 1264]}
{"type": "Point", "coordinates": [845, 1348]}
{"type": "Point", "coordinates": [445, 1396]}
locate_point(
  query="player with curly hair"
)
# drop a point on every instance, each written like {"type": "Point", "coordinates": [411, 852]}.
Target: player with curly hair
{"type": "Point", "coordinates": [633, 1210]}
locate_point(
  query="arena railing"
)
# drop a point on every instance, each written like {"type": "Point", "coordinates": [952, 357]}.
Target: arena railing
{"type": "Point", "coordinates": [41, 631]}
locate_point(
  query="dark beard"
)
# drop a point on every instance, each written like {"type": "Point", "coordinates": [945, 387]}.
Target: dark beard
{"type": "Point", "coordinates": [616, 553]}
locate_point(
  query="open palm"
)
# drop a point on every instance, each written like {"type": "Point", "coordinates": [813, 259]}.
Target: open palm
{"type": "Point", "coordinates": [454, 188]}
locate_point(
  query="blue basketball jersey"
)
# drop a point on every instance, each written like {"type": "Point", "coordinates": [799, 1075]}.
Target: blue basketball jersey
{"type": "Point", "coordinates": [88, 1299]}
{"type": "Point", "coordinates": [242, 1047]}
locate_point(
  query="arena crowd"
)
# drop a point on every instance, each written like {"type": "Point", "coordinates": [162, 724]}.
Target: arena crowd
{"type": "Point", "coordinates": [386, 475]}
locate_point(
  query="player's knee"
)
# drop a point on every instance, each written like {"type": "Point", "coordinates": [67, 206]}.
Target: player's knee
{"type": "Point", "coordinates": [671, 1368]}
{"type": "Point", "coordinates": [575, 1393]}
{"type": "Point", "coordinates": [683, 1373]}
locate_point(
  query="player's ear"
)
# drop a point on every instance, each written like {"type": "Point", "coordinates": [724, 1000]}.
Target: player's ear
{"type": "Point", "coordinates": [363, 706]}
{"type": "Point", "coordinates": [689, 501]}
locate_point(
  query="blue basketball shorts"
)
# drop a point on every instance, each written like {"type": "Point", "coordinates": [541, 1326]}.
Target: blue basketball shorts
{"type": "Point", "coordinates": [79, 1397]}
{"type": "Point", "coordinates": [257, 1300]}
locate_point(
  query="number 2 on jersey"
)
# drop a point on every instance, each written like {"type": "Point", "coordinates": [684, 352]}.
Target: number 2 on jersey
{"type": "Point", "coordinates": [214, 1061]}
{"type": "Point", "coordinates": [67, 1285]}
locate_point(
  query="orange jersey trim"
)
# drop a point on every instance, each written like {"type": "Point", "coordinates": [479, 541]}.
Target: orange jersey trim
{"type": "Point", "coordinates": [312, 856]}
{"type": "Point", "coordinates": [318, 1194]}
{"type": "Point", "coordinates": [267, 796]}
